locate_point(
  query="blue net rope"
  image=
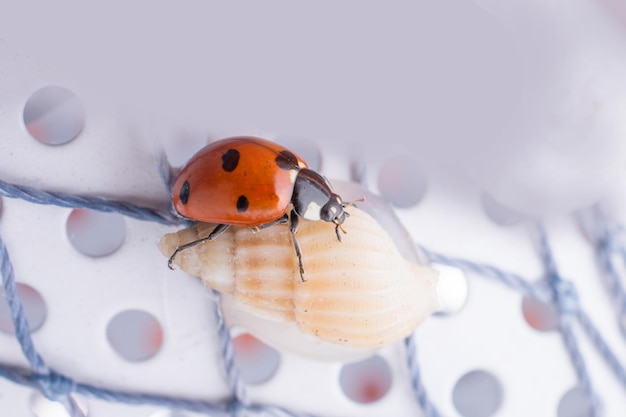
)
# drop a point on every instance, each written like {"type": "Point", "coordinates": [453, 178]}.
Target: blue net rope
{"type": "Point", "coordinates": [553, 288]}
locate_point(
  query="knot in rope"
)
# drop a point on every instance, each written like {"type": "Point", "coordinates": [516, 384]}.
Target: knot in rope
{"type": "Point", "coordinates": [566, 296]}
{"type": "Point", "coordinates": [235, 408]}
{"type": "Point", "coordinates": [605, 243]}
{"type": "Point", "coordinates": [55, 386]}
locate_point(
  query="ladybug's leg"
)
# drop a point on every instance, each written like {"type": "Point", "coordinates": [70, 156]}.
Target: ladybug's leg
{"type": "Point", "coordinates": [338, 227]}
{"type": "Point", "coordinates": [284, 219]}
{"type": "Point", "coordinates": [219, 229]}
{"type": "Point", "coordinates": [293, 227]}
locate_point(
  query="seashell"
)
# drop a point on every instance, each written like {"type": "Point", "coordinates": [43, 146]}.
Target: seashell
{"type": "Point", "coordinates": [359, 292]}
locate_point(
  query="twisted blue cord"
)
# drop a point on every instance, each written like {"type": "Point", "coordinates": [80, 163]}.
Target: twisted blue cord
{"type": "Point", "coordinates": [602, 347]}
{"type": "Point", "coordinates": [25, 378]}
{"type": "Point", "coordinates": [50, 385]}
{"type": "Point", "coordinates": [22, 330]}
{"type": "Point", "coordinates": [417, 384]}
{"type": "Point", "coordinates": [235, 408]}
{"type": "Point", "coordinates": [228, 353]}
{"type": "Point", "coordinates": [566, 299]}
{"type": "Point", "coordinates": [91, 203]}
{"type": "Point", "coordinates": [597, 228]}
{"type": "Point", "coordinates": [509, 279]}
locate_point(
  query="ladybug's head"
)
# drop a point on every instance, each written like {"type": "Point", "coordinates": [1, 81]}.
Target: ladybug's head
{"type": "Point", "coordinates": [313, 199]}
{"type": "Point", "coordinates": [332, 211]}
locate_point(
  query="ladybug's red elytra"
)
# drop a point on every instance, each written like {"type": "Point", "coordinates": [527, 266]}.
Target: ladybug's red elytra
{"type": "Point", "coordinates": [249, 181]}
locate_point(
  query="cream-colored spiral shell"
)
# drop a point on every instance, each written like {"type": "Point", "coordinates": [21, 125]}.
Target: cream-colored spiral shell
{"type": "Point", "coordinates": [358, 292]}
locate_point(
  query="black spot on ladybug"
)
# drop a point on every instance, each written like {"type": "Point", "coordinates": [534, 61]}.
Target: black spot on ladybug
{"type": "Point", "coordinates": [286, 160]}
{"type": "Point", "coordinates": [242, 204]}
{"type": "Point", "coordinates": [230, 160]}
{"type": "Point", "coordinates": [184, 192]}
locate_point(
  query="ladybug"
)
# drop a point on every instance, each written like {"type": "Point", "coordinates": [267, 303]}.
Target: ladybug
{"type": "Point", "coordinates": [249, 181]}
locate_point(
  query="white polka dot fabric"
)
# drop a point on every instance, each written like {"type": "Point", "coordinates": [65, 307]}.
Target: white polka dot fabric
{"type": "Point", "coordinates": [429, 108]}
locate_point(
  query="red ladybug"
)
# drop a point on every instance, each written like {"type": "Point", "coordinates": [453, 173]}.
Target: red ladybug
{"type": "Point", "coordinates": [248, 181]}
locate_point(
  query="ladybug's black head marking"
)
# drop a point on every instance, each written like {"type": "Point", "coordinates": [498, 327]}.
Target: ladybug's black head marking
{"type": "Point", "coordinates": [242, 203]}
{"type": "Point", "coordinates": [286, 160]}
{"type": "Point", "coordinates": [230, 160]}
{"type": "Point", "coordinates": [184, 192]}
{"type": "Point", "coordinates": [313, 199]}
{"type": "Point", "coordinates": [332, 211]}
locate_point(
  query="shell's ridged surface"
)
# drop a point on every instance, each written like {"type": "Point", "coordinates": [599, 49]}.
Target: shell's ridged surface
{"type": "Point", "coordinates": [359, 292]}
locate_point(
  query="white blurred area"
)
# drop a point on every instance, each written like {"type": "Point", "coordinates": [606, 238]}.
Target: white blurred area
{"type": "Point", "coordinates": [563, 146]}
{"type": "Point", "coordinates": [526, 97]}
{"type": "Point", "coordinates": [529, 90]}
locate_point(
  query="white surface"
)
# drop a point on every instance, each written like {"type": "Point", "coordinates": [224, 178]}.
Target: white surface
{"type": "Point", "coordinates": [563, 146]}
{"type": "Point", "coordinates": [391, 83]}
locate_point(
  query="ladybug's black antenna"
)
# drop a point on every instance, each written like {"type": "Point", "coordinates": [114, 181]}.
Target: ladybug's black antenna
{"type": "Point", "coordinates": [338, 225]}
